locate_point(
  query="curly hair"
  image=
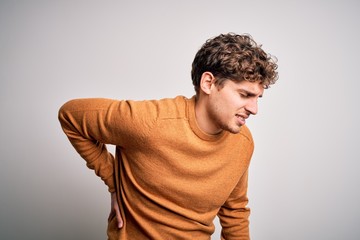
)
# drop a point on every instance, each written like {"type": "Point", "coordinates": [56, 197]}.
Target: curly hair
{"type": "Point", "coordinates": [234, 57]}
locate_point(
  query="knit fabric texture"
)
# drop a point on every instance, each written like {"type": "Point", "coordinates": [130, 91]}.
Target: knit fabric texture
{"type": "Point", "coordinates": [171, 178]}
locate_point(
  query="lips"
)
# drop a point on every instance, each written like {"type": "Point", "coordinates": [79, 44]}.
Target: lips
{"type": "Point", "coordinates": [241, 118]}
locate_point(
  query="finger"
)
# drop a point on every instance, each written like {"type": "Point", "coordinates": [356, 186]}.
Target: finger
{"type": "Point", "coordinates": [118, 216]}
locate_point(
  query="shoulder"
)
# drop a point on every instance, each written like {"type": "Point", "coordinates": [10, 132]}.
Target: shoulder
{"type": "Point", "coordinates": [246, 133]}
{"type": "Point", "coordinates": [162, 108]}
{"type": "Point", "coordinates": [242, 140]}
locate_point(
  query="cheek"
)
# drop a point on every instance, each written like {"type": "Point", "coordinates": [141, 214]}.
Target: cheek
{"type": "Point", "coordinates": [234, 103]}
{"type": "Point", "coordinates": [227, 105]}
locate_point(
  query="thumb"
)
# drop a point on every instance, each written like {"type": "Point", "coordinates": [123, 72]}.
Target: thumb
{"type": "Point", "coordinates": [118, 216]}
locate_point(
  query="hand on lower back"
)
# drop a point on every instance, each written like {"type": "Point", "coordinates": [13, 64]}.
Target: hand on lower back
{"type": "Point", "coordinates": [115, 210]}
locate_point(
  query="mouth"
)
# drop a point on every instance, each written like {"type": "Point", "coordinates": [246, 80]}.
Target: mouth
{"type": "Point", "coordinates": [241, 118]}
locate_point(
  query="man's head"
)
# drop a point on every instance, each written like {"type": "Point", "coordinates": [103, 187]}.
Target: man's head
{"type": "Point", "coordinates": [230, 73]}
{"type": "Point", "coordinates": [233, 57]}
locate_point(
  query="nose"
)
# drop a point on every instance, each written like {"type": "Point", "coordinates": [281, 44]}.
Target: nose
{"type": "Point", "coordinates": [252, 106]}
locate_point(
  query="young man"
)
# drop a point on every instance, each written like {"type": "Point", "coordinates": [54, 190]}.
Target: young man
{"type": "Point", "coordinates": [179, 162]}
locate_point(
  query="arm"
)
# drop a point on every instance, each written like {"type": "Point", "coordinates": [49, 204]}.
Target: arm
{"type": "Point", "coordinates": [234, 215]}
{"type": "Point", "coordinates": [90, 124]}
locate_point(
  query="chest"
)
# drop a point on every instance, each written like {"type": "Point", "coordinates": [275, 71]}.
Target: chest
{"type": "Point", "coordinates": [188, 172]}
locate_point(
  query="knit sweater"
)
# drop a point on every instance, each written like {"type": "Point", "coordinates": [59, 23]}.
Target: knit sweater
{"type": "Point", "coordinates": [171, 178]}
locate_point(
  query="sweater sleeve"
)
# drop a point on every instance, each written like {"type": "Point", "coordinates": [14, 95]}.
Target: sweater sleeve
{"type": "Point", "coordinates": [234, 215]}
{"type": "Point", "coordinates": [90, 124]}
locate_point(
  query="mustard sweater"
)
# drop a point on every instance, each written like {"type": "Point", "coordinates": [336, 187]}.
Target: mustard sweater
{"type": "Point", "coordinates": [171, 178]}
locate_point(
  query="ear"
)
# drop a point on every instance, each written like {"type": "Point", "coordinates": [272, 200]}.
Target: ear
{"type": "Point", "coordinates": [206, 81]}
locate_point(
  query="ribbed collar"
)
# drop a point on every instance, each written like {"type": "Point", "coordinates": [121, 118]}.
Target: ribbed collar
{"type": "Point", "coordinates": [195, 127]}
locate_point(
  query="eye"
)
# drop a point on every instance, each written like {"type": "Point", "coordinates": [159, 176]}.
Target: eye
{"type": "Point", "coordinates": [244, 95]}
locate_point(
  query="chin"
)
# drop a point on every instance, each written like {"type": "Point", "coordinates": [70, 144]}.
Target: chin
{"type": "Point", "coordinates": [233, 130]}
{"type": "Point", "coordinates": [230, 127]}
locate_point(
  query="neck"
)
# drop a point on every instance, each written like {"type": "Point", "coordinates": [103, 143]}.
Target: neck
{"type": "Point", "coordinates": [202, 117]}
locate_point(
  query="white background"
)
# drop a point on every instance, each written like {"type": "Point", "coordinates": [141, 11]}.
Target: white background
{"type": "Point", "coordinates": [304, 181]}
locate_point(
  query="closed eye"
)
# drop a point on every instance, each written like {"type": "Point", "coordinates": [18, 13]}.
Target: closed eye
{"type": "Point", "coordinates": [246, 94]}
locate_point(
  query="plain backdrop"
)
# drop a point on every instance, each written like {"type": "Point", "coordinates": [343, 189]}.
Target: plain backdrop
{"type": "Point", "coordinates": [304, 175]}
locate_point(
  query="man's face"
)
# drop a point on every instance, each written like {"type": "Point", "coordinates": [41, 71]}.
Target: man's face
{"type": "Point", "coordinates": [230, 105]}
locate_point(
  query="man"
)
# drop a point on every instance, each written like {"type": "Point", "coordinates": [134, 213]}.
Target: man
{"type": "Point", "coordinates": [179, 162]}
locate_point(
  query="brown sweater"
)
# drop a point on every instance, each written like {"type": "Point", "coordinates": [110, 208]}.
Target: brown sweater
{"type": "Point", "coordinates": [171, 178]}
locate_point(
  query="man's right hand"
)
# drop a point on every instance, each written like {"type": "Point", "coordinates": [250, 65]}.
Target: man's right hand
{"type": "Point", "coordinates": [115, 210]}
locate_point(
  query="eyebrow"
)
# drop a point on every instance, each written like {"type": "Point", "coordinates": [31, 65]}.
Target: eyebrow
{"type": "Point", "coordinates": [250, 94]}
